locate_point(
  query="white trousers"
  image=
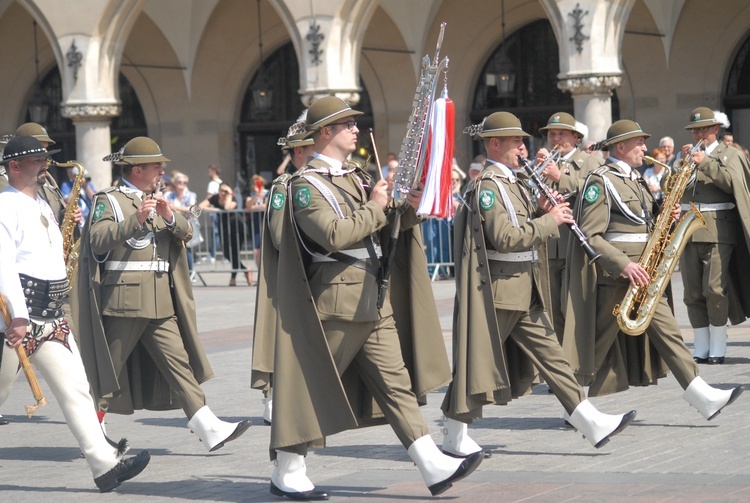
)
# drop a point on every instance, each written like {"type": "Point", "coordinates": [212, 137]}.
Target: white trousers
{"type": "Point", "coordinates": [63, 371]}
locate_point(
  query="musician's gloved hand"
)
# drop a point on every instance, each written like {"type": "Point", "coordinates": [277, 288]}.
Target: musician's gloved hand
{"type": "Point", "coordinates": [415, 196]}
{"type": "Point", "coordinates": [16, 331]}
{"type": "Point", "coordinates": [637, 275]}
{"type": "Point", "coordinates": [379, 194]}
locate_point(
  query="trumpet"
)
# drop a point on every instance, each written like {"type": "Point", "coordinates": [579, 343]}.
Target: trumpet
{"type": "Point", "coordinates": [553, 156]}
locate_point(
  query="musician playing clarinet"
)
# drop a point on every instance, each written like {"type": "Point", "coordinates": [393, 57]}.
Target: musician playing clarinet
{"type": "Point", "coordinates": [34, 285]}
{"type": "Point", "coordinates": [134, 301]}
{"type": "Point", "coordinates": [341, 361]}
{"type": "Point", "coordinates": [502, 330]}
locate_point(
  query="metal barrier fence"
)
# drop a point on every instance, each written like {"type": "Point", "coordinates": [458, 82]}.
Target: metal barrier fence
{"type": "Point", "coordinates": [229, 242]}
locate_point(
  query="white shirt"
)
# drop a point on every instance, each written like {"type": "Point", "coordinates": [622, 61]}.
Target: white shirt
{"type": "Point", "coordinates": [27, 247]}
{"type": "Point", "coordinates": [506, 170]}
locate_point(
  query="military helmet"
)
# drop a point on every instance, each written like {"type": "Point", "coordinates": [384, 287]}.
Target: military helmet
{"type": "Point", "coordinates": [35, 130]}
{"type": "Point", "coordinates": [24, 146]}
{"type": "Point", "coordinates": [562, 120]}
{"type": "Point", "coordinates": [328, 110]}
{"type": "Point", "coordinates": [623, 130]}
{"type": "Point", "coordinates": [497, 124]}
{"type": "Point", "coordinates": [701, 117]}
{"type": "Point", "coordinates": [139, 150]}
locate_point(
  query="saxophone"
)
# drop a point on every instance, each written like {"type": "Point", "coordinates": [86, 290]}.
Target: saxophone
{"type": "Point", "coordinates": [68, 226]}
{"type": "Point", "coordinates": [661, 253]}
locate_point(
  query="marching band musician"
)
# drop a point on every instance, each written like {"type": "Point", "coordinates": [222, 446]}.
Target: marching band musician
{"type": "Point", "coordinates": [565, 134]}
{"type": "Point", "coordinates": [33, 278]}
{"type": "Point", "coordinates": [340, 362]}
{"type": "Point", "coordinates": [616, 211]}
{"type": "Point", "coordinates": [502, 293]}
{"type": "Point", "coordinates": [134, 301]}
{"type": "Point", "coordinates": [715, 260]}
{"type": "Point", "coordinates": [299, 147]}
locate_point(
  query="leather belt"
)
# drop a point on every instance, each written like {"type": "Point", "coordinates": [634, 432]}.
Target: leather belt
{"type": "Point", "coordinates": [625, 237]}
{"type": "Point", "coordinates": [708, 206]}
{"type": "Point", "coordinates": [158, 265]}
{"type": "Point", "coordinates": [355, 253]}
{"type": "Point", "coordinates": [44, 298]}
{"type": "Point", "coordinates": [528, 256]}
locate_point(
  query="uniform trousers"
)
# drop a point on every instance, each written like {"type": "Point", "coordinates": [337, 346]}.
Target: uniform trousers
{"type": "Point", "coordinates": [663, 332]}
{"type": "Point", "coordinates": [556, 275]}
{"type": "Point", "coordinates": [162, 340]}
{"type": "Point", "coordinates": [62, 370]}
{"type": "Point", "coordinates": [532, 331]}
{"type": "Point", "coordinates": [373, 348]}
{"type": "Point", "coordinates": [705, 274]}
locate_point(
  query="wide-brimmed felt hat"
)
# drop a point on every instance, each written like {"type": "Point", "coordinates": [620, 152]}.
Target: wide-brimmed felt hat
{"type": "Point", "coordinates": [562, 120]}
{"type": "Point", "coordinates": [35, 130]}
{"type": "Point", "coordinates": [20, 147]}
{"type": "Point", "coordinates": [622, 130]}
{"type": "Point", "coordinates": [139, 150]}
{"type": "Point", "coordinates": [328, 110]}
{"type": "Point", "coordinates": [701, 117]}
{"type": "Point", "coordinates": [298, 136]}
{"type": "Point", "coordinates": [497, 124]}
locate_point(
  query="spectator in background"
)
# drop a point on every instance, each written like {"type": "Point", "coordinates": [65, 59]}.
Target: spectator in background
{"type": "Point", "coordinates": [667, 145]}
{"type": "Point", "coordinates": [214, 182]}
{"type": "Point", "coordinates": [86, 194]}
{"type": "Point", "coordinates": [181, 199]}
{"type": "Point", "coordinates": [728, 139]}
{"type": "Point", "coordinates": [255, 204]}
{"type": "Point", "coordinates": [655, 172]}
{"type": "Point", "coordinates": [232, 229]}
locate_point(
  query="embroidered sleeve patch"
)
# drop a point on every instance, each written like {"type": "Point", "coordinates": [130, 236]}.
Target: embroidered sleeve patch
{"type": "Point", "coordinates": [486, 199]}
{"type": "Point", "coordinates": [98, 211]}
{"type": "Point", "coordinates": [592, 194]}
{"type": "Point", "coordinates": [302, 196]}
{"type": "Point", "coordinates": [278, 200]}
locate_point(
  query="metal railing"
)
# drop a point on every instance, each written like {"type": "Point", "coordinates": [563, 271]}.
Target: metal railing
{"type": "Point", "coordinates": [229, 239]}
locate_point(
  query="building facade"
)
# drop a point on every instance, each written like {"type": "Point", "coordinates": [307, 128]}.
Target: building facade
{"type": "Point", "coordinates": [221, 80]}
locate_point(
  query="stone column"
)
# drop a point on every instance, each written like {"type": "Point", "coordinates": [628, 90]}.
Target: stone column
{"type": "Point", "coordinates": [592, 101]}
{"type": "Point", "coordinates": [93, 140]}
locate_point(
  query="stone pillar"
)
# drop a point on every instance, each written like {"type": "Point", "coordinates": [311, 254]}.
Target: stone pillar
{"type": "Point", "coordinates": [93, 140]}
{"type": "Point", "coordinates": [592, 101]}
{"type": "Point", "coordinates": [589, 35]}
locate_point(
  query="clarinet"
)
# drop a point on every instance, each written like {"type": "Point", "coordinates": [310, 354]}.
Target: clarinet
{"type": "Point", "coordinates": [547, 191]}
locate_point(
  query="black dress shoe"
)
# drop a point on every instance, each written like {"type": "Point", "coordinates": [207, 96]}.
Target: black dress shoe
{"type": "Point", "coordinates": [241, 428]}
{"type": "Point", "coordinates": [311, 495]}
{"type": "Point", "coordinates": [469, 464]}
{"type": "Point", "coordinates": [626, 420]}
{"type": "Point", "coordinates": [698, 359]}
{"type": "Point", "coordinates": [124, 470]}
{"type": "Point", "coordinates": [486, 454]}
{"type": "Point", "coordinates": [715, 360]}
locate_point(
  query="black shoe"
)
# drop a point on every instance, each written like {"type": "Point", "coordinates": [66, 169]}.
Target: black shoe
{"type": "Point", "coordinates": [715, 360]}
{"type": "Point", "coordinates": [311, 495]}
{"type": "Point", "coordinates": [486, 454]}
{"type": "Point", "coordinates": [698, 359]}
{"type": "Point", "coordinates": [241, 428]}
{"type": "Point", "coordinates": [3, 421]}
{"type": "Point", "coordinates": [626, 420]}
{"type": "Point", "coordinates": [469, 464]}
{"type": "Point", "coordinates": [124, 470]}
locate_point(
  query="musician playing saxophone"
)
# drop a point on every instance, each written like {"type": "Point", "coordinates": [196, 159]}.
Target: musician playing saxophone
{"type": "Point", "coordinates": [713, 260]}
{"type": "Point", "coordinates": [616, 211]}
{"type": "Point", "coordinates": [565, 135]}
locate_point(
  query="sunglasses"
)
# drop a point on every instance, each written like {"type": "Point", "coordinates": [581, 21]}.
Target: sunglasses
{"type": "Point", "coordinates": [180, 182]}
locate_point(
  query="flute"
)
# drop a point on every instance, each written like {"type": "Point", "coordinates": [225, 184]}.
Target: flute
{"type": "Point", "coordinates": [547, 191]}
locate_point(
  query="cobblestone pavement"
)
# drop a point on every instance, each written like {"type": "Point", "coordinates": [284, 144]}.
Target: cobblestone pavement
{"type": "Point", "coordinates": [669, 454]}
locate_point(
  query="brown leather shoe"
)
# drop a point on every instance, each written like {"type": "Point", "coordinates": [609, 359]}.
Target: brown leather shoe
{"type": "Point", "coordinates": [233, 282]}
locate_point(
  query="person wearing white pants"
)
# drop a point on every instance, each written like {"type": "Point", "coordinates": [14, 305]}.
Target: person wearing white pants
{"type": "Point", "coordinates": [33, 279]}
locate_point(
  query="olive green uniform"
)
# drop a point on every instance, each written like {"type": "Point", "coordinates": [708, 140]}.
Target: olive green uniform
{"type": "Point", "coordinates": [503, 293]}
{"type": "Point", "coordinates": [602, 356]}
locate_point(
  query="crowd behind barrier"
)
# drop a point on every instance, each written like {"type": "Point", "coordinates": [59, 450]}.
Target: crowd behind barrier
{"type": "Point", "coordinates": [210, 256]}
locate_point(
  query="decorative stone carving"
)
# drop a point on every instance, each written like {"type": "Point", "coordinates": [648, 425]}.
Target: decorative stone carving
{"type": "Point", "coordinates": [596, 85]}
{"type": "Point", "coordinates": [578, 37]}
{"type": "Point", "coordinates": [91, 111]}
{"type": "Point", "coordinates": [315, 38]}
{"type": "Point", "coordinates": [74, 57]}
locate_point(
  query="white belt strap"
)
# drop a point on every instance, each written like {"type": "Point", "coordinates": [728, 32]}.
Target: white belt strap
{"type": "Point", "coordinates": [356, 253]}
{"type": "Point", "coordinates": [708, 206]}
{"type": "Point", "coordinates": [528, 256]}
{"type": "Point", "coordinates": [119, 265]}
{"type": "Point", "coordinates": [624, 237]}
